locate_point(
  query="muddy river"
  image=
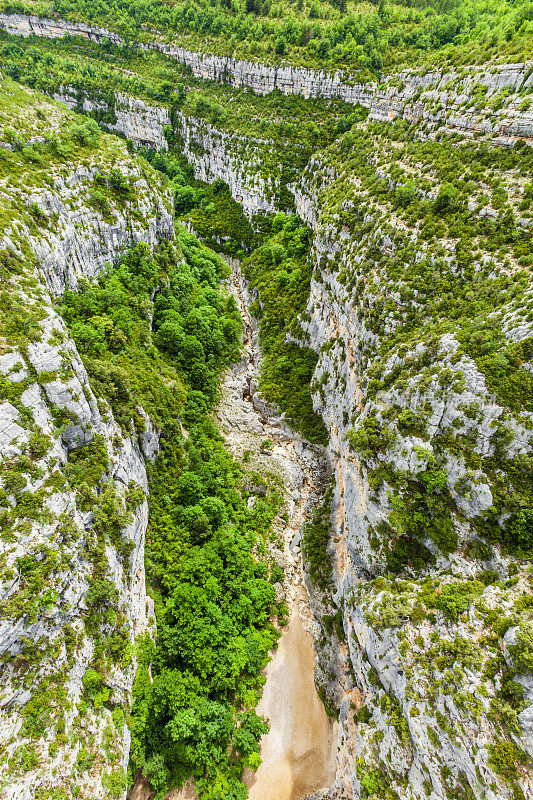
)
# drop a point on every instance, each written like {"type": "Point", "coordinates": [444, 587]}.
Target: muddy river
{"type": "Point", "coordinates": [298, 752]}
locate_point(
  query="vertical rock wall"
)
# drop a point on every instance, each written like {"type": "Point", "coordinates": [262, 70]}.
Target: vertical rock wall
{"type": "Point", "coordinates": [72, 579]}
{"type": "Point", "coordinates": [419, 714]}
{"type": "Point", "coordinates": [477, 99]}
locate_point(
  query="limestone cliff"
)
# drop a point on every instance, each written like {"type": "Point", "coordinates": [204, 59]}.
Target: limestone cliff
{"type": "Point", "coordinates": [420, 311]}
{"type": "Point", "coordinates": [423, 442]}
{"type": "Point", "coordinates": [473, 99]}
{"type": "Point", "coordinates": [237, 160]}
{"type": "Point", "coordinates": [73, 587]}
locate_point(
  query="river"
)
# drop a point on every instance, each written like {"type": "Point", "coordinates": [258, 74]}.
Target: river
{"type": "Point", "coordinates": [299, 751]}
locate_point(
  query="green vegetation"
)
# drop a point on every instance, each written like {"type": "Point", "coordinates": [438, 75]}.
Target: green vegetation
{"type": "Point", "coordinates": [428, 245]}
{"type": "Point", "coordinates": [370, 438]}
{"type": "Point", "coordinates": [365, 38]}
{"type": "Point", "coordinates": [453, 598]}
{"type": "Point", "coordinates": [133, 362]}
{"type": "Point", "coordinates": [505, 758]}
{"type": "Point", "coordinates": [474, 289]}
{"type": "Point", "coordinates": [213, 597]}
{"type": "Point", "coordinates": [274, 136]}
{"type": "Point", "coordinates": [315, 541]}
{"type": "Point", "coordinates": [213, 603]}
{"type": "Point", "coordinates": [210, 208]}
{"type": "Point", "coordinates": [522, 651]}
{"type": "Point", "coordinates": [281, 272]}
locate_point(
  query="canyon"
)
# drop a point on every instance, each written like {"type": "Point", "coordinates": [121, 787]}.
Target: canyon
{"type": "Point", "coordinates": [412, 671]}
{"type": "Point", "coordinates": [298, 753]}
{"type": "Point", "coordinates": [438, 97]}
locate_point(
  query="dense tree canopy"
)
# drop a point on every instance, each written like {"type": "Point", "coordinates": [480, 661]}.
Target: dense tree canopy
{"type": "Point", "coordinates": [365, 37]}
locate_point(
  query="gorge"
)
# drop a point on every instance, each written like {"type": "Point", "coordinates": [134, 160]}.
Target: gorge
{"type": "Point", "coordinates": [305, 454]}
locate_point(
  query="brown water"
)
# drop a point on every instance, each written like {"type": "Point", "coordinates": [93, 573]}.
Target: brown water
{"type": "Point", "coordinates": [298, 752]}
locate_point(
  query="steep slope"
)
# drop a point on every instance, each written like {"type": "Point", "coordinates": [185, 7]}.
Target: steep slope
{"type": "Point", "coordinates": [489, 97]}
{"type": "Point", "coordinates": [80, 668]}
{"type": "Point", "coordinates": [73, 588]}
{"type": "Point", "coordinates": [361, 39]}
{"type": "Point", "coordinates": [420, 312]}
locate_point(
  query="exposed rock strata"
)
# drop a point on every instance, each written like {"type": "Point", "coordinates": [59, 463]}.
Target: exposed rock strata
{"type": "Point", "coordinates": [441, 732]}
{"type": "Point", "coordinates": [442, 98]}
{"type": "Point", "coordinates": [141, 122]}
{"type": "Point", "coordinates": [424, 730]}
{"type": "Point", "coordinates": [65, 529]}
{"type": "Point", "coordinates": [81, 243]}
{"type": "Point", "coordinates": [46, 639]}
{"type": "Point", "coordinates": [237, 160]}
{"type": "Point", "coordinates": [213, 153]}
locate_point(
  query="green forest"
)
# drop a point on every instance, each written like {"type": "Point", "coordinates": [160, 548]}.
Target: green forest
{"type": "Point", "coordinates": [390, 280]}
{"type": "Point", "coordinates": [365, 38]}
{"type": "Point", "coordinates": [214, 600]}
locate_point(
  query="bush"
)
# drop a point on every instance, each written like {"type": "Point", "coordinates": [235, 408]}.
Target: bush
{"type": "Point", "coordinates": [447, 199]}
{"type": "Point", "coordinates": [522, 651]}
{"type": "Point", "coordinates": [454, 598]}
{"type": "Point", "coordinates": [101, 593]}
{"type": "Point", "coordinates": [315, 541]}
{"type": "Point", "coordinates": [519, 529]}
{"type": "Point", "coordinates": [406, 194]}
{"type": "Point", "coordinates": [371, 438]}
{"type": "Point", "coordinates": [504, 758]}
{"type": "Point", "coordinates": [86, 133]}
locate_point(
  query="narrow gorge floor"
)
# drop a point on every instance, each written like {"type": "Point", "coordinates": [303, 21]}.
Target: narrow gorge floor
{"type": "Point", "coordinates": [298, 753]}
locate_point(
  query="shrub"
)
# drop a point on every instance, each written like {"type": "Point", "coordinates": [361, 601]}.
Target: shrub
{"type": "Point", "coordinates": [504, 758]}
{"type": "Point", "coordinates": [86, 132]}
{"type": "Point", "coordinates": [522, 651]}
{"type": "Point", "coordinates": [454, 598]}
{"type": "Point", "coordinates": [519, 529]}
{"type": "Point", "coordinates": [406, 194]}
{"type": "Point", "coordinates": [371, 438]}
{"type": "Point", "coordinates": [447, 199]}
{"type": "Point", "coordinates": [315, 540]}
{"type": "Point", "coordinates": [101, 592]}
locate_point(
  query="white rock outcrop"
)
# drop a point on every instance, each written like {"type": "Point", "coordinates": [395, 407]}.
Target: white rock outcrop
{"type": "Point", "coordinates": [70, 592]}
{"type": "Point", "coordinates": [443, 98]}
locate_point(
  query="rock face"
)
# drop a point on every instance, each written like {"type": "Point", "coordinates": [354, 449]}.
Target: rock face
{"type": "Point", "coordinates": [144, 124]}
{"type": "Point", "coordinates": [70, 249]}
{"type": "Point", "coordinates": [480, 100]}
{"type": "Point", "coordinates": [236, 160]}
{"type": "Point", "coordinates": [420, 438]}
{"type": "Point", "coordinates": [213, 153]}
{"type": "Point", "coordinates": [73, 592]}
{"type": "Point", "coordinates": [47, 631]}
{"type": "Point", "coordinates": [420, 714]}
{"type": "Point", "coordinates": [30, 25]}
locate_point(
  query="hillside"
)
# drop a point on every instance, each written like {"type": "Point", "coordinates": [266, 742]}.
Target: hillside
{"type": "Point", "coordinates": [266, 265]}
{"type": "Point", "coordinates": [365, 38]}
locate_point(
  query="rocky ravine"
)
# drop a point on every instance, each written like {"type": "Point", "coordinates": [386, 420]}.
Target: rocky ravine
{"type": "Point", "coordinates": [477, 99]}
{"type": "Point", "coordinates": [299, 751]}
{"type": "Point", "coordinates": [420, 710]}
{"type": "Point", "coordinates": [212, 153]}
